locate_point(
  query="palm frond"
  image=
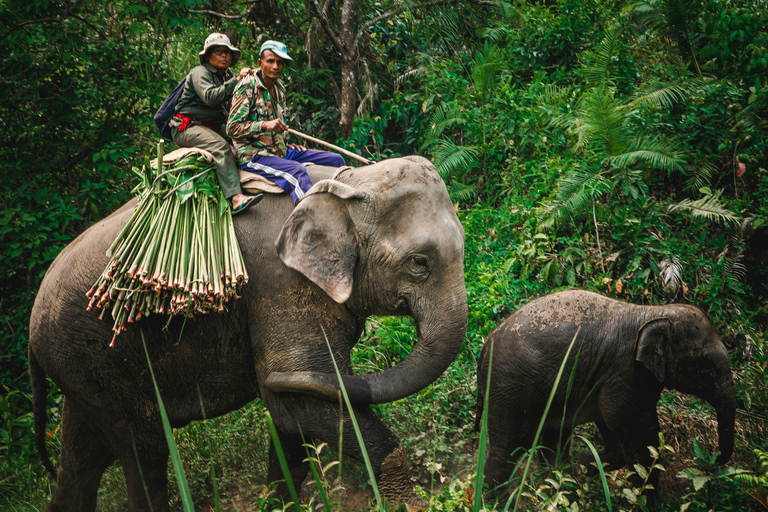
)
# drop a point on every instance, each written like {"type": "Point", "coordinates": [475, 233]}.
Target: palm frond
{"type": "Point", "coordinates": [485, 67]}
{"type": "Point", "coordinates": [671, 275]}
{"type": "Point", "coordinates": [662, 95]}
{"type": "Point", "coordinates": [601, 123]}
{"type": "Point", "coordinates": [495, 34]}
{"type": "Point", "coordinates": [701, 175]}
{"type": "Point", "coordinates": [574, 194]}
{"type": "Point", "coordinates": [441, 120]}
{"type": "Point", "coordinates": [667, 154]}
{"type": "Point", "coordinates": [708, 207]}
{"type": "Point", "coordinates": [461, 191]}
{"type": "Point", "coordinates": [597, 73]}
{"type": "Point", "coordinates": [408, 74]}
{"type": "Point", "coordinates": [449, 157]}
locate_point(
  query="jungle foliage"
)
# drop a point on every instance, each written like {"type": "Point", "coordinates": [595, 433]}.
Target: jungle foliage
{"type": "Point", "coordinates": [612, 145]}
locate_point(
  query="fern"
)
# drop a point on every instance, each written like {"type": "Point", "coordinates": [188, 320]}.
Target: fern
{"type": "Point", "coordinates": [708, 207]}
{"type": "Point", "coordinates": [449, 157]}
{"type": "Point", "coordinates": [757, 479]}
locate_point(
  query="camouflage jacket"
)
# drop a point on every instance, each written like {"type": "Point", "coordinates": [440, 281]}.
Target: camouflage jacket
{"type": "Point", "coordinates": [252, 104]}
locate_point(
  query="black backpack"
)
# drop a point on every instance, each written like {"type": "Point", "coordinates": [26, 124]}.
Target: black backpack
{"type": "Point", "coordinates": [167, 110]}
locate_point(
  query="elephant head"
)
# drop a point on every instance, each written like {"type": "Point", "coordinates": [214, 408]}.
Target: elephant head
{"type": "Point", "coordinates": [684, 352]}
{"type": "Point", "coordinates": [391, 246]}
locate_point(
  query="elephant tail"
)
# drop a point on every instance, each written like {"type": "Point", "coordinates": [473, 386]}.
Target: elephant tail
{"type": "Point", "coordinates": [39, 399]}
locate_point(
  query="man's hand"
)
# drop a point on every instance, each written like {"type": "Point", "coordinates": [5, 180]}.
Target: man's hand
{"type": "Point", "coordinates": [245, 72]}
{"type": "Point", "coordinates": [275, 125]}
{"type": "Point", "coordinates": [297, 147]}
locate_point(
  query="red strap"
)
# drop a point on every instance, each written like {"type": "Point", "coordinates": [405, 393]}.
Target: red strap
{"type": "Point", "coordinates": [185, 120]}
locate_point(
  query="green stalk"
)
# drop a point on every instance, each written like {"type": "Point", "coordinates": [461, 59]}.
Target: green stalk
{"type": "Point", "coordinates": [358, 434]}
{"type": "Point", "coordinates": [483, 438]}
{"type": "Point", "coordinates": [181, 478]}
{"type": "Point", "coordinates": [283, 463]}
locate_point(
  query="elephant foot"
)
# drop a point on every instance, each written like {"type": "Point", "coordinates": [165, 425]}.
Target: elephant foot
{"type": "Point", "coordinates": [395, 479]}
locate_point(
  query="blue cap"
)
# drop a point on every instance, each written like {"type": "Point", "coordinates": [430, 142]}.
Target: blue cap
{"type": "Point", "coordinates": [277, 47]}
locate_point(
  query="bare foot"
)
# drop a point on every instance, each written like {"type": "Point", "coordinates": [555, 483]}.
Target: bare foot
{"type": "Point", "coordinates": [237, 199]}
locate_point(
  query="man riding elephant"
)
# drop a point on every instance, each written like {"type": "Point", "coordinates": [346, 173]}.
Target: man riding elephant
{"type": "Point", "coordinates": [257, 127]}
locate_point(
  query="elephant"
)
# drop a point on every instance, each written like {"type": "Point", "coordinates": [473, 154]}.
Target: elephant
{"type": "Point", "coordinates": [627, 354]}
{"type": "Point", "coordinates": [379, 240]}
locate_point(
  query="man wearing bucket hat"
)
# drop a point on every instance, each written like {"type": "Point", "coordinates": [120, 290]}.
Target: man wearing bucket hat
{"type": "Point", "coordinates": [257, 127]}
{"type": "Point", "coordinates": [201, 114]}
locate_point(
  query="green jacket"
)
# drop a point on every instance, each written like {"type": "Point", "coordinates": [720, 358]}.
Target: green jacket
{"type": "Point", "coordinates": [207, 96]}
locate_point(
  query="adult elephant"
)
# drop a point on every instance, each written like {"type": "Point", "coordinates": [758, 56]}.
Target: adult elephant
{"type": "Point", "coordinates": [626, 355]}
{"type": "Point", "coordinates": [377, 240]}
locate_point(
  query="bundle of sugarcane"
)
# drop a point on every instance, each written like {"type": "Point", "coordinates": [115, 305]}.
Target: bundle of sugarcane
{"type": "Point", "coordinates": [178, 253]}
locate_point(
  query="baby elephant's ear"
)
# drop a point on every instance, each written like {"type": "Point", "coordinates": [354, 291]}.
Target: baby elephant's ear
{"type": "Point", "coordinates": [651, 349]}
{"type": "Point", "coordinates": [320, 239]}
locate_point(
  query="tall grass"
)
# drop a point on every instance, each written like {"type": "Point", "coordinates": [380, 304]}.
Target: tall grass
{"type": "Point", "coordinates": [181, 477]}
{"type": "Point", "coordinates": [515, 494]}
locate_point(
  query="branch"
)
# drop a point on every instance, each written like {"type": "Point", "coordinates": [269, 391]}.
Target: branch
{"type": "Point", "coordinates": [225, 16]}
{"type": "Point", "coordinates": [365, 26]}
{"type": "Point", "coordinates": [41, 21]}
{"type": "Point", "coordinates": [326, 24]}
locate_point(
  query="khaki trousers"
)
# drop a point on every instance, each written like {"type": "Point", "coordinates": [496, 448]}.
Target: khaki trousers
{"type": "Point", "coordinates": [199, 136]}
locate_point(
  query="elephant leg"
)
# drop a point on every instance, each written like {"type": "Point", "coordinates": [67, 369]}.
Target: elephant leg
{"type": "Point", "coordinates": [316, 420]}
{"type": "Point", "coordinates": [612, 453]}
{"type": "Point", "coordinates": [145, 467]}
{"type": "Point", "coordinates": [507, 441]}
{"type": "Point", "coordinates": [84, 458]}
{"type": "Point", "coordinates": [556, 445]}
{"type": "Point", "coordinates": [295, 453]}
{"type": "Point", "coordinates": [633, 438]}
{"type": "Point", "coordinates": [387, 454]}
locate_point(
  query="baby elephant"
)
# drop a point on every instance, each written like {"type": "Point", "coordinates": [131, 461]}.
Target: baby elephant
{"type": "Point", "coordinates": [626, 355]}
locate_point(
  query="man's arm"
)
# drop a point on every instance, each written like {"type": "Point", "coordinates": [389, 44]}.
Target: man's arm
{"type": "Point", "coordinates": [208, 90]}
{"type": "Point", "coordinates": [243, 103]}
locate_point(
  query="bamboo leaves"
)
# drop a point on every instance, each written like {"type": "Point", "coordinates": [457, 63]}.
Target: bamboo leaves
{"type": "Point", "coordinates": [174, 255]}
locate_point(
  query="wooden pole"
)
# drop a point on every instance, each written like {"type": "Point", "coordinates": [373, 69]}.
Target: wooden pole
{"type": "Point", "coordinates": [328, 144]}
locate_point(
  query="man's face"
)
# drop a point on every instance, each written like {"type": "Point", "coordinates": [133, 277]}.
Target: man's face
{"type": "Point", "coordinates": [271, 66]}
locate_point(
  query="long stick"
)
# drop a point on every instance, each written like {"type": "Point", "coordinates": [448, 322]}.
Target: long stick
{"type": "Point", "coordinates": [328, 144]}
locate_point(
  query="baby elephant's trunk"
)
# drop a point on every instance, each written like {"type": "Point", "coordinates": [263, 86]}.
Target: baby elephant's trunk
{"type": "Point", "coordinates": [725, 405]}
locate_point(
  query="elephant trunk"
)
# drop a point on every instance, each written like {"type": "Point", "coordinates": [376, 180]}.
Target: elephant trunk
{"type": "Point", "coordinates": [441, 328]}
{"type": "Point", "coordinates": [725, 406]}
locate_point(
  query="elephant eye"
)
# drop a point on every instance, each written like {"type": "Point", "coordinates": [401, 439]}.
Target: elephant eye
{"type": "Point", "coordinates": [418, 266]}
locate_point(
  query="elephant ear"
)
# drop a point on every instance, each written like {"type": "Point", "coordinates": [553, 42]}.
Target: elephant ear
{"type": "Point", "coordinates": [652, 339]}
{"type": "Point", "coordinates": [320, 239]}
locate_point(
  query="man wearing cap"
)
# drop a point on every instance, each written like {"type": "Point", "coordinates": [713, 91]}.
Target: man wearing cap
{"type": "Point", "coordinates": [257, 127]}
{"type": "Point", "coordinates": [201, 115]}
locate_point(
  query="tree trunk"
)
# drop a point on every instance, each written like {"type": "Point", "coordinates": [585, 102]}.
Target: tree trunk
{"type": "Point", "coordinates": [348, 66]}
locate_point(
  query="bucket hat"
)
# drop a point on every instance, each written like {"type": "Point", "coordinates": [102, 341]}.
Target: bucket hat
{"type": "Point", "coordinates": [277, 47]}
{"type": "Point", "coordinates": [217, 39]}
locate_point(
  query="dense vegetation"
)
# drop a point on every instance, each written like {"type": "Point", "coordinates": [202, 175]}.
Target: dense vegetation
{"type": "Point", "coordinates": [612, 145]}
